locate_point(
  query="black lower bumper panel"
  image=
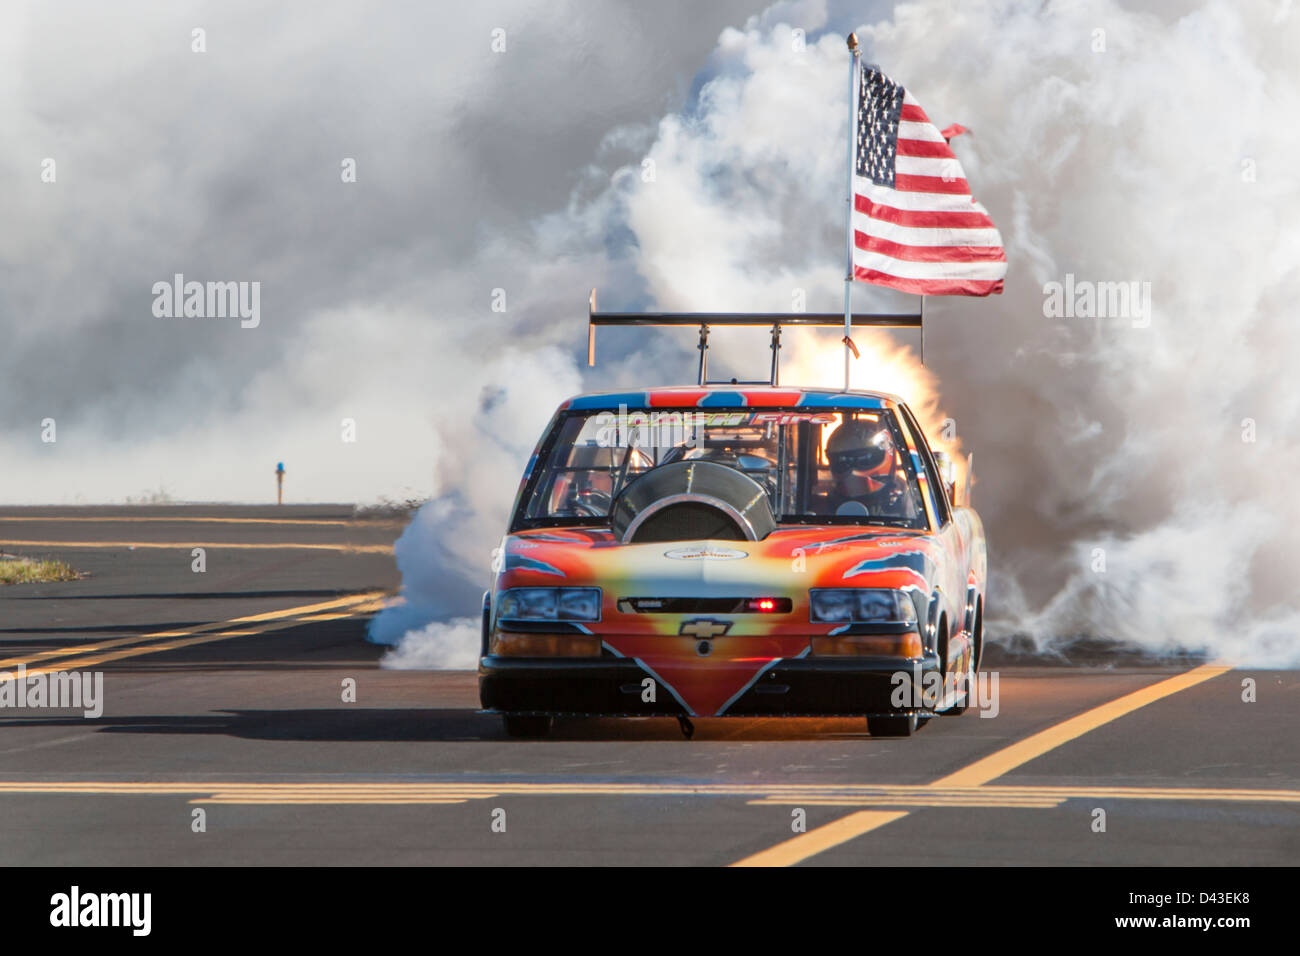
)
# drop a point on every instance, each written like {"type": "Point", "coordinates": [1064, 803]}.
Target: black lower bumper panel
{"type": "Point", "coordinates": [797, 687]}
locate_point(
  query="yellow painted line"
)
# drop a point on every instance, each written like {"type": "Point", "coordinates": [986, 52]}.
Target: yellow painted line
{"type": "Point", "coordinates": [1021, 752]}
{"type": "Point", "coordinates": [864, 795]}
{"type": "Point", "coordinates": [81, 663]}
{"type": "Point", "coordinates": [209, 545]}
{"type": "Point", "coordinates": [87, 648]}
{"type": "Point", "coordinates": [822, 838]}
{"type": "Point", "coordinates": [80, 519]}
{"type": "Point", "coordinates": [357, 603]}
{"type": "Point", "coordinates": [1029, 797]}
{"type": "Point", "coordinates": [326, 801]}
{"type": "Point", "coordinates": [917, 801]}
{"type": "Point", "coordinates": [1173, 793]}
{"type": "Point", "coordinates": [371, 599]}
{"type": "Point", "coordinates": [809, 844]}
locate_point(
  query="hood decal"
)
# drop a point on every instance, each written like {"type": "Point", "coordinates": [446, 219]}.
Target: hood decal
{"type": "Point", "coordinates": [917, 561]}
{"type": "Point", "coordinates": [706, 686]}
{"type": "Point", "coordinates": [519, 562]}
{"type": "Point", "coordinates": [708, 552]}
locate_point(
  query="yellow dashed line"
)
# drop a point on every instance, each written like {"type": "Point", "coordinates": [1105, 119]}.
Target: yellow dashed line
{"type": "Point", "coordinates": [822, 838]}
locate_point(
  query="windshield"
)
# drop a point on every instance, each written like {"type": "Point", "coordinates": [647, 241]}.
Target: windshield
{"type": "Point", "coordinates": [823, 466]}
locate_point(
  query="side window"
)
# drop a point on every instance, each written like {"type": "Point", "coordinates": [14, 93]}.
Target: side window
{"type": "Point", "coordinates": [933, 483]}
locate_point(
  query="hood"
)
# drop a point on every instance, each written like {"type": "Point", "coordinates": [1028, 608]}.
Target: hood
{"type": "Point", "coordinates": [787, 561]}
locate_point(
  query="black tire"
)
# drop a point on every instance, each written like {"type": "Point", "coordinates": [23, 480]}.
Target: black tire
{"type": "Point", "coordinates": [527, 725]}
{"type": "Point", "coordinates": [892, 726]}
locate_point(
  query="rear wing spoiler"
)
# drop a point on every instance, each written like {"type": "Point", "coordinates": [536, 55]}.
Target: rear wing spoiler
{"type": "Point", "coordinates": [773, 320]}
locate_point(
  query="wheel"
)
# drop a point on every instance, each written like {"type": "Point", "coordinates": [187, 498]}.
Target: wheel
{"type": "Point", "coordinates": [958, 709]}
{"type": "Point", "coordinates": [971, 674]}
{"type": "Point", "coordinates": [892, 726]}
{"type": "Point", "coordinates": [966, 682]}
{"type": "Point", "coordinates": [527, 725]}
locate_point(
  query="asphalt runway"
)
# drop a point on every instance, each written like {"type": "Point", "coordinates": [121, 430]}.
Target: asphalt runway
{"type": "Point", "coordinates": [223, 692]}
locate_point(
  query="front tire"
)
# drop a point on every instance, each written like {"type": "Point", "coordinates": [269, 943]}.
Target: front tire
{"type": "Point", "coordinates": [527, 725]}
{"type": "Point", "coordinates": [972, 675]}
{"type": "Point", "coordinates": [892, 726]}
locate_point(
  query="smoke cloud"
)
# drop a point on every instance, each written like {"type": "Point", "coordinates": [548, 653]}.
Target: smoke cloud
{"type": "Point", "coordinates": [1133, 469]}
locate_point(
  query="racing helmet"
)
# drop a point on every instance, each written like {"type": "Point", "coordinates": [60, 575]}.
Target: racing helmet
{"type": "Point", "coordinates": [862, 450]}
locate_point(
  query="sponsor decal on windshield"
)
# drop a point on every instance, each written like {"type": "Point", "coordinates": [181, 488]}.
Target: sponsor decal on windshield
{"type": "Point", "coordinates": [665, 429]}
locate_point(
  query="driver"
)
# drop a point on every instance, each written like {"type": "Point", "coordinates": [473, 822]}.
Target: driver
{"type": "Point", "coordinates": [585, 485]}
{"type": "Point", "coordinates": [866, 470]}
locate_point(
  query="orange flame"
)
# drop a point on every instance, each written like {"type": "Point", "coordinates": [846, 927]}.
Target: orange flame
{"type": "Point", "coordinates": [884, 366]}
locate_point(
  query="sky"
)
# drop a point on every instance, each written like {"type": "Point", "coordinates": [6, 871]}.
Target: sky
{"type": "Point", "coordinates": [675, 156]}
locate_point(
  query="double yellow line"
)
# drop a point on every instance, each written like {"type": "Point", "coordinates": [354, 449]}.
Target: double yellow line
{"type": "Point", "coordinates": [136, 645]}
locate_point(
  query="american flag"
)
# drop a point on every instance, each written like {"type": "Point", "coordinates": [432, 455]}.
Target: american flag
{"type": "Point", "coordinates": [916, 226]}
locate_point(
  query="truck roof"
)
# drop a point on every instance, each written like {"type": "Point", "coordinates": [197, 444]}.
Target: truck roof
{"type": "Point", "coordinates": [732, 396]}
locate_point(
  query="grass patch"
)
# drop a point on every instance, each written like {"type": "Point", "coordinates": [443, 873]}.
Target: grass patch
{"type": "Point", "coordinates": [15, 570]}
{"type": "Point", "coordinates": [387, 507]}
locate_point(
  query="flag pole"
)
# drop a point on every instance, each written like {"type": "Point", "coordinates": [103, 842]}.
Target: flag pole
{"type": "Point", "coordinates": [849, 348]}
{"type": "Point", "coordinates": [922, 328]}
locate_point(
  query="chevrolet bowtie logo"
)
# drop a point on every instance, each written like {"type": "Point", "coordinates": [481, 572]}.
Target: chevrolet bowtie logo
{"type": "Point", "coordinates": [704, 627]}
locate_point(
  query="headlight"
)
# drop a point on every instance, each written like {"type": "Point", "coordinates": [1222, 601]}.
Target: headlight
{"type": "Point", "coordinates": [579, 604]}
{"type": "Point", "coordinates": [549, 604]}
{"type": "Point", "coordinates": [861, 605]}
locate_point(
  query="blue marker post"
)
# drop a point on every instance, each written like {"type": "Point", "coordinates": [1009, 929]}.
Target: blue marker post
{"type": "Point", "coordinates": [279, 482]}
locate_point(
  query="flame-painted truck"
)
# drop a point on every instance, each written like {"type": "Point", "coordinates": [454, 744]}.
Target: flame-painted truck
{"type": "Point", "coordinates": [719, 550]}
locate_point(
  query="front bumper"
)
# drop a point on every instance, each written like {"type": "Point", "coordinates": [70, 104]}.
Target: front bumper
{"type": "Point", "coordinates": [792, 687]}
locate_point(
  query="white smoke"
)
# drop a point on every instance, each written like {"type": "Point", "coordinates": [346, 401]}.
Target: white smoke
{"type": "Point", "coordinates": [129, 157]}
{"type": "Point", "coordinates": [439, 645]}
{"type": "Point", "coordinates": [1134, 474]}
{"type": "Point", "coordinates": [447, 549]}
